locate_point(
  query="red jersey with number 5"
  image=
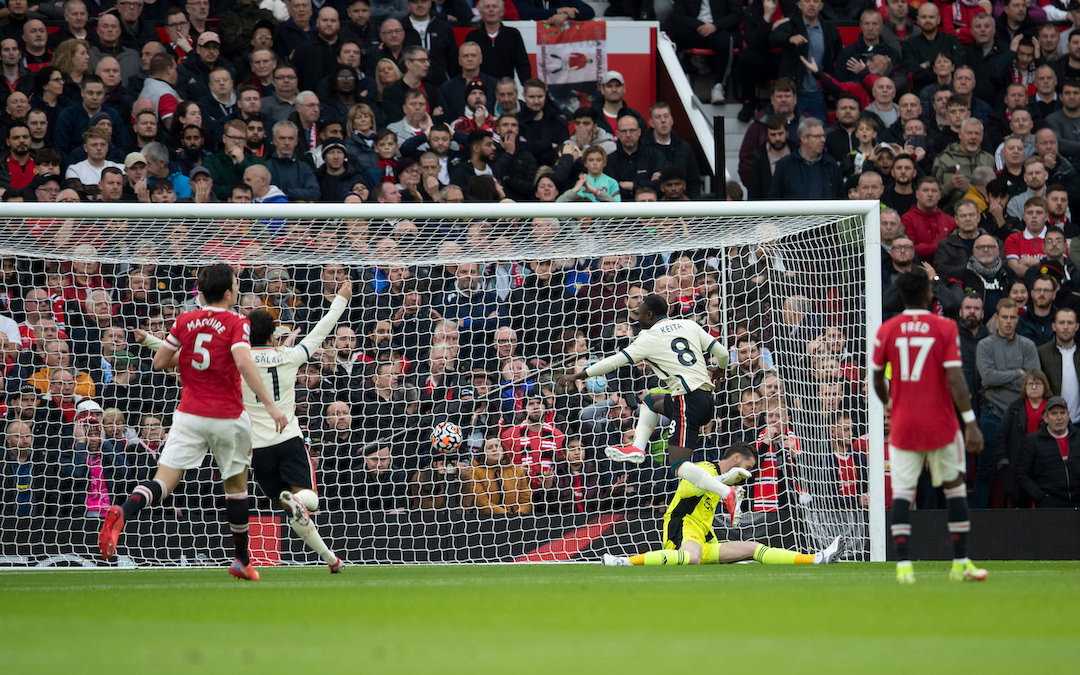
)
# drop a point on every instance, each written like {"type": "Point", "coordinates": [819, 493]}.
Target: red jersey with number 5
{"type": "Point", "coordinates": [206, 338]}
{"type": "Point", "coordinates": [919, 346]}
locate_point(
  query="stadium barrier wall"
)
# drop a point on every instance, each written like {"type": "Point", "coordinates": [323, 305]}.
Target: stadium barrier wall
{"type": "Point", "coordinates": [379, 539]}
{"type": "Point", "coordinates": [999, 534]}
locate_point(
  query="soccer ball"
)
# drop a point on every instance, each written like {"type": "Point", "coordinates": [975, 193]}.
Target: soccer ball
{"type": "Point", "coordinates": [446, 438]}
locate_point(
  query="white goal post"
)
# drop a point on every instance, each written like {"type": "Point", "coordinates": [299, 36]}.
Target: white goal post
{"type": "Point", "coordinates": [462, 312]}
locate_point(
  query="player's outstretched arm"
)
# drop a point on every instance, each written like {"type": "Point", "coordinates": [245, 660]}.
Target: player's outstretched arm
{"type": "Point", "coordinates": [322, 329]}
{"type": "Point", "coordinates": [250, 372]}
{"type": "Point", "coordinates": [962, 400]}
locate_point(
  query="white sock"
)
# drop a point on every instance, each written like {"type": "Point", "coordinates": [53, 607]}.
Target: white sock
{"type": "Point", "coordinates": [647, 421]}
{"type": "Point", "coordinates": [701, 478]}
{"type": "Point", "coordinates": [310, 534]}
{"type": "Point", "coordinates": [817, 558]}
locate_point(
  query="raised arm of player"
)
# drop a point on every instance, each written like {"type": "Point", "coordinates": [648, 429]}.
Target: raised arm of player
{"type": "Point", "coordinates": [613, 362]}
{"type": "Point", "coordinates": [961, 397]}
{"type": "Point", "coordinates": [253, 378]}
{"type": "Point", "coordinates": [322, 329]}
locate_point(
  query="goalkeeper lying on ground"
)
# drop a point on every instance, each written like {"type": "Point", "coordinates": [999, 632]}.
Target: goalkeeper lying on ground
{"type": "Point", "coordinates": [688, 531]}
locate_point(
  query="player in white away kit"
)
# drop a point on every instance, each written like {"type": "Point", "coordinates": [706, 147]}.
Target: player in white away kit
{"type": "Point", "coordinates": [281, 462]}
{"type": "Point", "coordinates": [211, 347]}
{"type": "Point", "coordinates": [923, 351]}
{"type": "Point", "coordinates": [676, 349]}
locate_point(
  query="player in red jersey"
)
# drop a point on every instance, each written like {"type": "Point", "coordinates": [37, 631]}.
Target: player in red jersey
{"type": "Point", "coordinates": [923, 351]}
{"type": "Point", "coordinates": [211, 347]}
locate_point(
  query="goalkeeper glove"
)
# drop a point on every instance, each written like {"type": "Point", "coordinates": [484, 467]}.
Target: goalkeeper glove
{"type": "Point", "coordinates": [734, 476]}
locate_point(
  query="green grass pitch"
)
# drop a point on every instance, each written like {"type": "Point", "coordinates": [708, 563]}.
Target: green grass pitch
{"type": "Point", "coordinates": [543, 619]}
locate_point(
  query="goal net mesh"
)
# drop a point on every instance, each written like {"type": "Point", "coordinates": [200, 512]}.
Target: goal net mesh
{"type": "Point", "coordinates": [457, 319]}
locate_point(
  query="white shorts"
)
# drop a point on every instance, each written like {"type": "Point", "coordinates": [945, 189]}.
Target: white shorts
{"type": "Point", "coordinates": [946, 464]}
{"type": "Point", "coordinates": [192, 435]}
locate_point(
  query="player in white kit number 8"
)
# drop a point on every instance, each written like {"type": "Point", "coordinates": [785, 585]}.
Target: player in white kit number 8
{"type": "Point", "coordinates": [676, 350]}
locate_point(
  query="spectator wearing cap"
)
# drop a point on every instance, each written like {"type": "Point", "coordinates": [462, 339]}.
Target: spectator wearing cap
{"type": "Point", "coordinates": [336, 177]}
{"type": "Point", "coordinates": [294, 177]}
{"type": "Point", "coordinates": [1048, 466]}
{"type": "Point", "coordinates": [202, 186]}
{"type": "Point", "coordinates": [476, 114]}
{"type": "Point", "coordinates": [193, 77]}
{"type": "Point", "coordinates": [134, 177]}
{"type": "Point", "coordinates": [706, 24]}
{"type": "Point", "coordinates": [469, 58]}
{"type": "Point", "coordinates": [46, 187]}
{"type": "Point", "coordinates": [316, 57]}
{"type": "Point", "coordinates": [611, 104]}
{"type": "Point", "coordinates": [807, 36]}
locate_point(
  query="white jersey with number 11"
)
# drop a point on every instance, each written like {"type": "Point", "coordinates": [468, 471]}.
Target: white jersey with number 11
{"type": "Point", "coordinates": [278, 367]}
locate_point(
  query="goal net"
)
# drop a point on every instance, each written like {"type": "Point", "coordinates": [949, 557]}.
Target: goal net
{"type": "Point", "coordinates": [463, 313]}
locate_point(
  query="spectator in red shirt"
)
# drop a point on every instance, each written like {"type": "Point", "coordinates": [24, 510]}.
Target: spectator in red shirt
{"type": "Point", "coordinates": [1025, 248]}
{"type": "Point", "coordinates": [533, 443]}
{"type": "Point", "coordinates": [925, 223]}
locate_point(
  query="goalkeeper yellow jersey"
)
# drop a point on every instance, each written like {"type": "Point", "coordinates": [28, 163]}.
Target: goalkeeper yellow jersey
{"type": "Point", "coordinates": [692, 503]}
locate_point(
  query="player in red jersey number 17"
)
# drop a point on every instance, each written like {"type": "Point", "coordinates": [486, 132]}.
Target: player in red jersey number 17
{"type": "Point", "coordinates": [923, 351]}
{"type": "Point", "coordinates": [211, 347]}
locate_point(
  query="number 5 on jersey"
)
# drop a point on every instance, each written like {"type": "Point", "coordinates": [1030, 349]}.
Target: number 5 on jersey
{"type": "Point", "coordinates": [201, 358]}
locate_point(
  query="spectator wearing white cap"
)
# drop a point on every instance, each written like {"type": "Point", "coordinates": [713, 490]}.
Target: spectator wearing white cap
{"type": "Point", "coordinates": [193, 76]}
{"type": "Point", "coordinates": [611, 105]}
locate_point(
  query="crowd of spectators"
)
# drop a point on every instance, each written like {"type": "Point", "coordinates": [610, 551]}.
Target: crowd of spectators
{"type": "Point", "coordinates": [478, 345]}
{"type": "Point", "coordinates": [294, 101]}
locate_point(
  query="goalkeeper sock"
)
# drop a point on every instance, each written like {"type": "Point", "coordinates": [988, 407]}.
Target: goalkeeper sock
{"type": "Point", "coordinates": [700, 478]}
{"type": "Point", "coordinates": [901, 523]}
{"type": "Point", "coordinates": [665, 557]}
{"type": "Point", "coordinates": [146, 494]}
{"type": "Point", "coordinates": [645, 425]}
{"type": "Point", "coordinates": [959, 525]}
{"type": "Point", "coordinates": [779, 556]}
{"type": "Point", "coordinates": [236, 512]}
{"type": "Point", "coordinates": [310, 534]}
